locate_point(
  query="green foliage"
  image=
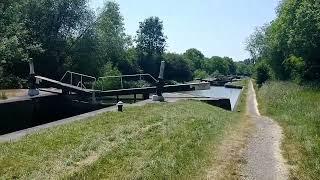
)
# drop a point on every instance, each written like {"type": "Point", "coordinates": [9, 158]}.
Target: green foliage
{"type": "Point", "coordinates": [84, 57]}
{"type": "Point", "coordinates": [150, 38]}
{"type": "Point", "coordinates": [263, 73]}
{"type": "Point", "coordinates": [295, 32]}
{"type": "Point", "coordinates": [16, 45]}
{"type": "Point", "coordinates": [295, 66]}
{"type": "Point", "coordinates": [112, 39]}
{"type": "Point", "coordinates": [54, 24]}
{"type": "Point", "coordinates": [151, 44]}
{"type": "Point", "coordinates": [109, 83]}
{"type": "Point", "coordinates": [177, 68]}
{"type": "Point", "coordinates": [217, 63]}
{"type": "Point", "coordinates": [244, 69]}
{"type": "Point", "coordinates": [195, 58]}
{"type": "Point", "coordinates": [200, 74]}
{"type": "Point", "coordinates": [136, 84]}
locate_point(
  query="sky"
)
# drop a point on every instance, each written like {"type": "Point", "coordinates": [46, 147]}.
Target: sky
{"type": "Point", "coordinates": [215, 27]}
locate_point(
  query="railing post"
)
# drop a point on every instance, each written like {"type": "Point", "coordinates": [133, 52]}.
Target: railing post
{"type": "Point", "coordinates": [71, 78]}
{"type": "Point", "coordinates": [121, 83]}
{"type": "Point", "coordinates": [81, 82]}
{"type": "Point", "coordinates": [94, 100]}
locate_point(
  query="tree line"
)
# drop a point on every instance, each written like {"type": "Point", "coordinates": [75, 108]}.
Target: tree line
{"type": "Point", "coordinates": [288, 48]}
{"type": "Point", "coordinates": [60, 35]}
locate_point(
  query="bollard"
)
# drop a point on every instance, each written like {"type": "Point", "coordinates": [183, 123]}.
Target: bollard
{"type": "Point", "coordinates": [33, 91]}
{"type": "Point", "coordinates": [160, 84]}
{"type": "Point", "coordinates": [120, 106]}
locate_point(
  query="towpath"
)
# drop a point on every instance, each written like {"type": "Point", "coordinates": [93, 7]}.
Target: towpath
{"type": "Point", "coordinates": [263, 154]}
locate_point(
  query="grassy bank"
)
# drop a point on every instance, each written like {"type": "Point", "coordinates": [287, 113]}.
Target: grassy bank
{"type": "Point", "coordinates": [297, 109]}
{"type": "Point", "coordinates": [150, 142]}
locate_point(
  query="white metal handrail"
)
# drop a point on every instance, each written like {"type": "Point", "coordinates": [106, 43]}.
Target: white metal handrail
{"type": "Point", "coordinates": [82, 76]}
{"type": "Point", "coordinates": [123, 76]}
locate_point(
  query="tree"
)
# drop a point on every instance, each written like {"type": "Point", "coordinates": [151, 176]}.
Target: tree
{"type": "Point", "coordinates": [232, 67]}
{"type": "Point", "coordinates": [201, 74]}
{"type": "Point", "coordinates": [151, 44]}
{"type": "Point", "coordinates": [177, 68]}
{"type": "Point", "coordinates": [113, 42]}
{"type": "Point", "coordinates": [294, 32]}
{"type": "Point", "coordinates": [218, 64]}
{"type": "Point", "coordinates": [256, 43]}
{"type": "Point", "coordinates": [109, 83]}
{"type": "Point", "coordinates": [195, 58]}
{"type": "Point", "coordinates": [54, 24]}
{"type": "Point", "coordinates": [262, 73]}
{"type": "Point", "coordinates": [16, 46]}
{"type": "Point", "coordinates": [84, 56]}
{"type": "Point", "coordinates": [244, 68]}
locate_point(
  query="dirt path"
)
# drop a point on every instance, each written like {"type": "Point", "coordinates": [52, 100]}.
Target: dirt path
{"type": "Point", "coordinates": [263, 155]}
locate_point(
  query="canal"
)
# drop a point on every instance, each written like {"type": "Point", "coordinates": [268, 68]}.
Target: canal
{"type": "Point", "coordinates": [220, 92]}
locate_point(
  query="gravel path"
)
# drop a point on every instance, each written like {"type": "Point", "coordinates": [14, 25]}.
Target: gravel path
{"type": "Point", "coordinates": [263, 155]}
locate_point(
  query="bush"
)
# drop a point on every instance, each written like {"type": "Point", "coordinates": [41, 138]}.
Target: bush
{"type": "Point", "coordinates": [12, 82]}
{"type": "Point", "coordinates": [295, 66]}
{"type": "Point", "coordinates": [200, 74]}
{"type": "Point", "coordinates": [109, 83]}
{"type": "Point", "coordinates": [136, 84]}
{"type": "Point", "coordinates": [263, 73]}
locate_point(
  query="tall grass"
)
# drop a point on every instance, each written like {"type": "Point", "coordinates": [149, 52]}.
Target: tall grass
{"type": "Point", "coordinates": [297, 109]}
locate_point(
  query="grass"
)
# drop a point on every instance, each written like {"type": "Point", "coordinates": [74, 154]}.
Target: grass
{"type": "Point", "coordinates": [3, 96]}
{"type": "Point", "coordinates": [230, 159]}
{"type": "Point", "coordinates": [242, 82]}
{"type": "Point", "coordinates": [157, 141]}
{"type": "Point", "coordinates": [297, 109]}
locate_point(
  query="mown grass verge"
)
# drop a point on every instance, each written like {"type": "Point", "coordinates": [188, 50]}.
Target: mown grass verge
{"type": "Point", "coordinates": [297, 109]}
{"type": "Point", "coordinates": [150, 142]}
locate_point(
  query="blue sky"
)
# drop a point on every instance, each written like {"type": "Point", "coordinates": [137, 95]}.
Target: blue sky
{"type": "Point", "coordinates": [215, 27]}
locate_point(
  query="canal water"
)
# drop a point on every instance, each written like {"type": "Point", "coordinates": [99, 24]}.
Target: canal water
{"type": "Point", "coordinates": [220, 92]}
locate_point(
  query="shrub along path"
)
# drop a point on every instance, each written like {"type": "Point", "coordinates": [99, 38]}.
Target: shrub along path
{"type": "Point", "coordinates": [263, 155]}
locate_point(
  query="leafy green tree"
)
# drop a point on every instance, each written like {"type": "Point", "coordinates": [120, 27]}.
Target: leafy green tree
{"type": "Point", "coordinates": [217, 63]}
{"type": "Point", "coordinates": [16, 45]}
{"type": "Point", "coordinates": [131, 57]}
{"type": "Point", "coordinates": [113, 42]}
{"type": "Point", "coordinates": [195, 58]}
{"type": "Point", "coordinates": [84, 56]}
{"type": "Point", "coordinates": [244, 68]}
{"type": "Point", "coordinates": [295, 66]}
{"type": "Point", "coordinates": [232, 67]}
{"type": "Point", "coordinates": [54, 23]}
{"type": "Point", "coordinates": [177, 68]}
{"type": "Point", "coordinates": [109, 83]}
{"type": "Point", "coordinates": [263, 72]}
{"type": "Point", "coordinates": [294, 32]}
{"type": "Point", "coordinates": [151, 44]}
{"type": "Point", "coordinates": [201, 74]}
